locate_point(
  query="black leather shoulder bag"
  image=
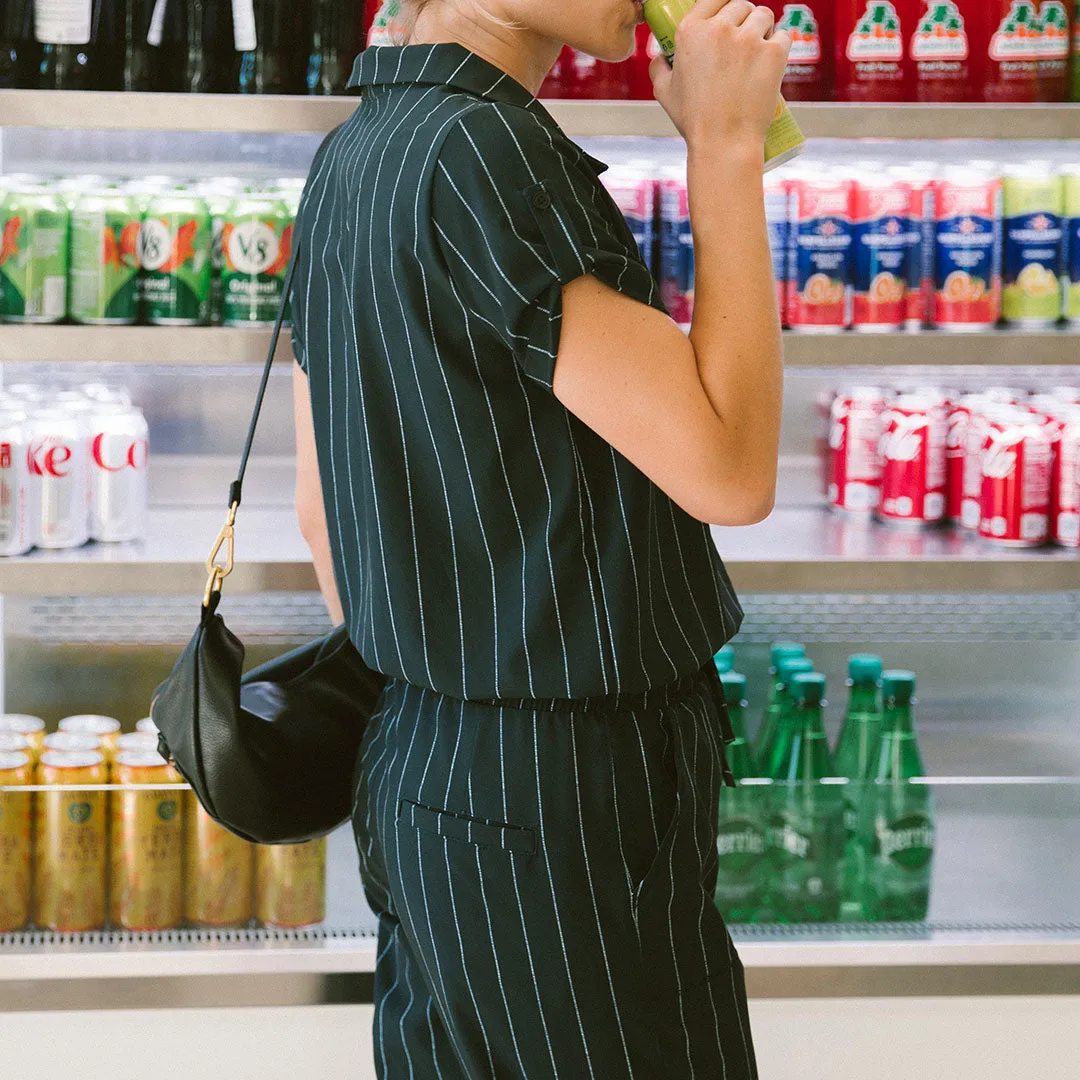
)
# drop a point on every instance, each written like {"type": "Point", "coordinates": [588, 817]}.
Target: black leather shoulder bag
{"type": "Point", "coordinates": [270, 754]}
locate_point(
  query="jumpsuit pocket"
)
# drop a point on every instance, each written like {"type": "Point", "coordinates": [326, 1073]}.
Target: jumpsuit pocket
{"type": "Point", "coordinates": [467, 830]}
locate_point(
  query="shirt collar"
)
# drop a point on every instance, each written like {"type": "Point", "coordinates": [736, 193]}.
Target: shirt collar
{"type": "Point", "coordinates": [450, 64]}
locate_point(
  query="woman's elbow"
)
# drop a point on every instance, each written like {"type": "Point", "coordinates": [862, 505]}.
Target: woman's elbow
{"type": "Point", "coordinates": [735, 507]}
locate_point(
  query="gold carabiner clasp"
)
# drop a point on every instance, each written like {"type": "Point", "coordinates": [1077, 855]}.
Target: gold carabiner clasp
{"type": "Point", "coordinates": [219, 572]}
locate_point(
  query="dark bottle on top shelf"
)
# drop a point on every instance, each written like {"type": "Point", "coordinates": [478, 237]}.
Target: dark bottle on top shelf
{"type": "Point", "coordinates": [17, 45]}
{"type": "Point", "coordinates": [198, 49]}
{"type": "Point", "coordinates": [79, 45]}
{"type": "Point", "coordinates": [142, 36]}
{"type": "Point", "coordinates": [333, 40]}
{"type": "Point", "coordinates": [266, 36]}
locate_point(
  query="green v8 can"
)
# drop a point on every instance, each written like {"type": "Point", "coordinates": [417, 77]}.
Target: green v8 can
{"type": "Point", "coordinates": [784, 139]}
{"type": "Point", "coordinates": [103, 282]}
{"type": "Point", "coordinates": [256, 244]}
{"type": "Point", "coordinates": [219, 195]}
{"type": "Point", "coordinates": [33, 256]}
{"type": "Point", "coordinates": [175, 254]}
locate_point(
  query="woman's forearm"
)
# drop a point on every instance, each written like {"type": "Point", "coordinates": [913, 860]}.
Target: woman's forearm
{"type": "Point", "coordinates": [319, 544]}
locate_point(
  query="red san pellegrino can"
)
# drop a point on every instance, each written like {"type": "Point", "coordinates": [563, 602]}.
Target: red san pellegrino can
{"type": "Point", "coordinates": [884, 238]}
{"type": "Point", "coordinates": [854, 455]}
{"type": "Point", "coordinates": [809, 75]}
{"type": "Point", "coordinates": [820, 235]}
{"type": "Point", "coordinates": [913, 462]}
{"type": "Point", "coordinates": [56, 462]}
{"type": "Point", "coordinates": [1065, 494]}
{"type": "Point", "coordinates": [119, 460]}
{"type": "Point", "coordinates": [1016, 464]}
{"type": "Point", "coordinates": [872, 37]}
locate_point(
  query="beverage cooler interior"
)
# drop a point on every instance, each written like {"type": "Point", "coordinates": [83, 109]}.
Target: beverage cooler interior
{"type": "Point", "coordinates": [990, 629]}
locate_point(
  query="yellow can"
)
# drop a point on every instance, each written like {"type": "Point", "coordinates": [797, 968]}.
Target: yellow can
{"type": "Point", "coordinates": [70, 848]}
{"type": "Point", "coordinates": [106, 728]}
{"type": "Point", "coordinates": [146, 855]}
{"type": "Point", "coordinates": [146, 726]}
{"type": "Point", "coordinates": [33, 727]}
{"type": "Point", "coordinates": [16, 770]}
{"type": "Point", "coordinates": [290, 884]}
{"type": "Point", "coordinates": [217, 871]}
{"type": "Point", "coordinates": [136, 742]}
{"type": "Point", "coordinates": [12, 742]}
{"type": "Point", "coordinates": [68, 742]}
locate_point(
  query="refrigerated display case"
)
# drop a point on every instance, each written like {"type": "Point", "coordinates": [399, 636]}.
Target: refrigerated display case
{"type": "Point", "coordinates": [992, 633]}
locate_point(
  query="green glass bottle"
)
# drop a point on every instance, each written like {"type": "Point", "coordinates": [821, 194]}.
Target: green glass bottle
{"type": "Point", "coordinates": [898, 822]}
{"type": "Point", "coordinates": [725, 659]}
{"type": "Point", "coordinates": [856, 759]}
{"type": "Point", "coordinates": [774, 755]}
{"type": "Point", "coordinates": [767, 729]}
{"type": "Point", "coordinates": [805, 835]}
{"type": "Point", "coordinates": [740, 837]}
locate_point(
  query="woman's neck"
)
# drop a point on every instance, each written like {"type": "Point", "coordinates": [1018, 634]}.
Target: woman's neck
{"type": "Point", "coordinates": [524, 55]}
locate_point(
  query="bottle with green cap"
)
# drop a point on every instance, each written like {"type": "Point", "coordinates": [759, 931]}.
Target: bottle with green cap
{"type": "Point", "coordinates": [766, 733]}
{"type": "Point", "coordinates": [773, 757]}
{"type": "Point", "coordinates": [898, 821]}
{"type": "Point", "coordinates": [805, 832]}
{"type": "Point", "coordinates": [740, 837]}
{"type": "Point", "coordinates": [856, 759]}
{"type": "Point", "coordinates": [725, 659]}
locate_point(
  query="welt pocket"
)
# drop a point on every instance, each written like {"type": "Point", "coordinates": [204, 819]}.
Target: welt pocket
{"type": "Point", "coordinates": [467, 830]}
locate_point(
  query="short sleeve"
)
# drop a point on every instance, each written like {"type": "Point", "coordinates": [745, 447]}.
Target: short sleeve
{"type": "Point", "coordinates": [518, 212]}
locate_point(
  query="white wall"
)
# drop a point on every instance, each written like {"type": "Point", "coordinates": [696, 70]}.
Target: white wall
{"type": "Point", "coordinates": [832, 1039]}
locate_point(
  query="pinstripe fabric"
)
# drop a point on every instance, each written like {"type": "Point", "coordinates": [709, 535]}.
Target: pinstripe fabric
{"type": "Point", "coordinates": [544, 879]}
{"type": "Point", "coordinates": [486, 543]}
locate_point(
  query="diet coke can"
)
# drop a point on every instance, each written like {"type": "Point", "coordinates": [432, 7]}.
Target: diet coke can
{"type": "Point", "coordinates": [855, 427]}
{"type": "Point", "coordinates": [16, 519]}
{"type": "Point", "coordinates": [913, 462]}
{"type": "Point", "coordinates": [119, 459]}
{"type": "Point", "coordinates": [1016, 464]}
{"type": "Point", "coordinates": [956, 452]}
{"type": "Point", "coordinates": [1069, 394]}
{"type": "Point", "coordinates": [1065, 492]}
{"type": "Point", "coordinates": [56, 461]}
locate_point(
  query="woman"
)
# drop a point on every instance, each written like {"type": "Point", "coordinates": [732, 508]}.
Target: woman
{"type": "Point", "coordinates": [517, 451]}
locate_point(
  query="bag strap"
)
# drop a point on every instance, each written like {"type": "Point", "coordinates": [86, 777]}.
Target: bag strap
{"type": "Point", "coordinates": [226, 539]}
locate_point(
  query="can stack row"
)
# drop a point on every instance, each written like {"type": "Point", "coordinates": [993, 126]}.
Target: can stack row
{"type": "Point", "coordinates": [1000, 463]}
{"type": "Point", "coordinates": [74, 467]}
{"type": "Point", "coordinates": [110, 845]}
{"type": "Point", "coordinates": [150, 250]}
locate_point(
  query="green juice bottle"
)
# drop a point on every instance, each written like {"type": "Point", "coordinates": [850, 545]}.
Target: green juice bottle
{"type": "Point", "coordinates": [740, 838]}
{"type": "Point", "coordinates": [773, 756]}
{"type": "Point", "coordinates": [856, 759]}
{"type": "Point", "coordinates": [725, 660]}
{"type": "Point", "coordinates": [766, 732]}
{"type": "Point", "coordinates": [805, 830]}
{"type": "Point", "coordinates": [898, 820]}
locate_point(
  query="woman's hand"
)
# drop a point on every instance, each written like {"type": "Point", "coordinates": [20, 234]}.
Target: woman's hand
{"type": "Point", "coordinates": [729, 64]}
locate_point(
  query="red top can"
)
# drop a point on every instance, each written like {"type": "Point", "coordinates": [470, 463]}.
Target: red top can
{"type": "Point", "coordinates": [809, 75]}
{"type": "Point", "coordinates": [871, 49]}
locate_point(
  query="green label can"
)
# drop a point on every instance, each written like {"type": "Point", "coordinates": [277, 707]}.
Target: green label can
{"type": "Point", "coordinates": [34, 257]}
{"type": "Point", "coordinates": [175, 245]}
{"type": "Point", "coordinates": [1034, 211]}
{"type": "Point", "coordinates": [256, 245]}
{"type": "Point", "coordinates": [219, 196]}
{"type": "Point", "coordinates": [1071, 276]}
{"type": "Point", "coordinates": [103, 284]}
{"type": "Point", "coordinates": [784, 139]}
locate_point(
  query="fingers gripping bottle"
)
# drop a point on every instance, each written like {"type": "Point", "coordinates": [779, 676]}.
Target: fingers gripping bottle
{"type": "Point", "coordinates": [784, 139]}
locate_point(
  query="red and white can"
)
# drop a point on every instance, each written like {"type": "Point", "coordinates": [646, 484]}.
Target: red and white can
{"type": "Point", "coordinates": [956, 450]}
{"type": "Point", "coordinates": [971, 490]}
{"type": "Point", "coordinates": [119, 461]}
{"type": "Point", "coordinates": [854, 455]}
{"type": "Point", "coordinates": [1069, 394]}
{"type": "Point", "coordinates": [913, 461]}
{"type": "Point", "coordinates": [1065, 489]}
{"type": "Point", "coordinates": [1016, 465]}
{"type": "Point", "coordinates": [16, 517]}
{"type": "Point", "coordinates": [1006, 395]}
{"type": "Point", "coordinates": [56, 462]}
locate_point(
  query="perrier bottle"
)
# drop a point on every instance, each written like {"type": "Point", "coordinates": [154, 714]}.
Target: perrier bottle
{"type": "Point", "coordinates": [856, 759]}
{"type": "Point", "coordinates": [740, 838]}
{"type": "Point", "coordinates": [805, 831]}
{"type": "Point", "coordinates": [773, 755]}
{"type": "Point", "coordinates": [899, 818]}
{"type": "Point", "coordinates": [766, 733]}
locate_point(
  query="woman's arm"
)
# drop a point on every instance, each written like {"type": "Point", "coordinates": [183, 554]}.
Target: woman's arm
{"type": "Point", "coordinates": [309, 496]}
{"type": "Point", "coordinates": [700, 416]}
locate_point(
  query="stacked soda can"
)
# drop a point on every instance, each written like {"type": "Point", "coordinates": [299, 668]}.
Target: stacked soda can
{"type": "Point", "coordinates": [998, 463]}
{"type": "Point", "coordinates": [73, 468]}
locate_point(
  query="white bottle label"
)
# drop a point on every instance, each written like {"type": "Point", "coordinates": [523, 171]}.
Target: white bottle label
{"type": "Point", "coordinates": [157, 24]}
{"type": "Point", "coordinates": [62, 22]}
{"type": "Point", "coordinates": [243, 14]}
